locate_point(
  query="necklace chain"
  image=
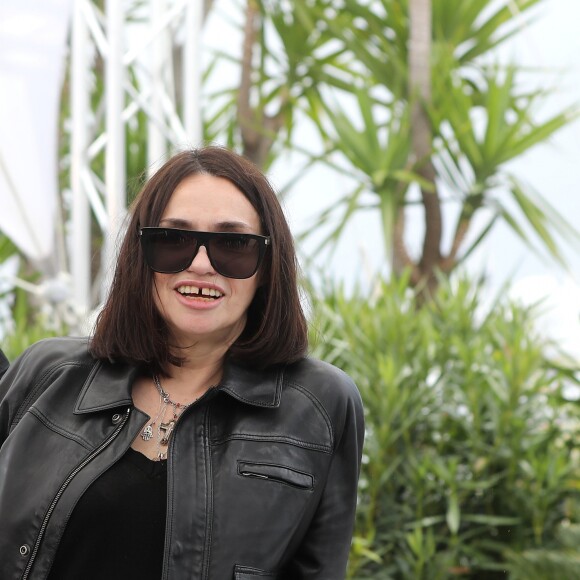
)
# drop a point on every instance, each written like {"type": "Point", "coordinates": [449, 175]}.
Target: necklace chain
{"type": "Point", "coordinates": [164, 428]}
{"type": "Point", "coordinates": [166, 398]}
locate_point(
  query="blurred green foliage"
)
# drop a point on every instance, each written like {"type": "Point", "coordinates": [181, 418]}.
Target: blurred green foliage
{"type": "Point", "coordinates": [27, 322]}
{"type": "Point", "coordinates": [470, 466]}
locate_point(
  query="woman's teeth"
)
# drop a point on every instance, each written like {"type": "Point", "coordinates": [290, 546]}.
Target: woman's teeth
{"type": "Point", "coordinates": [200, 292]}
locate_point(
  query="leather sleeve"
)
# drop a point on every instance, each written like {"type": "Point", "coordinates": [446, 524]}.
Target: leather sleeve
{"type": "Point", "coordinates": [3, 411]}
{"type": "Point", "coordinates": [3, 363]}
{"type": "Point", "coordinates": [23, 381]}
{"type": "Point", "coordinates": [323, 553]}
{"type": "Point", "coordinates": [11, 395]}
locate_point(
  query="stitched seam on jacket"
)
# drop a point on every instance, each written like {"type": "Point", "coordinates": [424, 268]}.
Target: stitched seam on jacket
{"type": "Point", "coordinates": [57, 429]}
{"type": "Point", "coordinates": [274, 439]}
{"type": "Point", "coordinates": [34, 393]}
{"type": "Point", "coordinates": [320, 408]}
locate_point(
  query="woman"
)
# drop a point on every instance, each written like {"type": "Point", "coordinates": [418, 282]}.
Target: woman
{"type": "Point", "coordinates": [190, 437]}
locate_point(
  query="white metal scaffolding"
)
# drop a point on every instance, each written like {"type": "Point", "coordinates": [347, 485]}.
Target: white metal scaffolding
{"type": "Point", "coordinates": [143, 45]}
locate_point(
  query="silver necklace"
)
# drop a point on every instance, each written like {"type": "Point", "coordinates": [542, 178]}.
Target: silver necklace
{"type": "Point", "coordinates": [164, 428]}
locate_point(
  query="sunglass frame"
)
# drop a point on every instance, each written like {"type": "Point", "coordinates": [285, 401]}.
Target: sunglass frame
{"type": "Point", "coordinates": [203, 239]}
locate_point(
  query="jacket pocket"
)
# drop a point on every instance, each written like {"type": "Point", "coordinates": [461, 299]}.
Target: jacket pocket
{"type": "Point", "coordinates": [276, 473]}
{"type": "Point", "coordinates": [247, 573]}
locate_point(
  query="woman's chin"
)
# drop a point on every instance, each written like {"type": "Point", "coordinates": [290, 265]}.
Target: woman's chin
{"type": "Point", "coordinates": [202, 336]}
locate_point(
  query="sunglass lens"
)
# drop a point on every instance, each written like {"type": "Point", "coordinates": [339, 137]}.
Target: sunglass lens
{"type": "Point", "coordinates": [169, 251]}
{"type": "Point", "coordinates": [235, 256]}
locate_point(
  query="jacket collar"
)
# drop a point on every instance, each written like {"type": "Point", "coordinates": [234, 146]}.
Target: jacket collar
{"type": "Point", "coordinates": [258, 388]}
{"type": "Point", "coordinates": [109, 385]}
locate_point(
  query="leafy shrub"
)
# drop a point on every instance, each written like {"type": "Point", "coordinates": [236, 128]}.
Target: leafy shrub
{"type": "Point", "coordinates": [30, 323]}
{"type": "Point", "coordinates": [470, 467]}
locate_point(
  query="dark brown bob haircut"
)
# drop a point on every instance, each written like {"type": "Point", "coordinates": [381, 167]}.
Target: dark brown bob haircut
{"type": "Point", "coordinates": [130, 327]}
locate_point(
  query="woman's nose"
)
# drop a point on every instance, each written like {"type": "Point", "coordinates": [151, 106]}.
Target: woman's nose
{"type": "Point", "coordinates": [201, 263]}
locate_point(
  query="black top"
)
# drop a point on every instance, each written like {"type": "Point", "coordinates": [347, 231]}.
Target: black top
{"type": "Point", "coordinates": [117, 529]}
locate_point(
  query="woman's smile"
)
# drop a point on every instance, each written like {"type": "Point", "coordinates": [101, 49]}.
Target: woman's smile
{"type": "Point", "coordinates": [195, 294]}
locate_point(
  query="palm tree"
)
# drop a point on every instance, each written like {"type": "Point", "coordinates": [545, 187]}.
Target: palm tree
{"type": "Point", "coordinates": [412, 101]}
{"type": "Point", "coordinates": [256, 113]}
{"type": "Point", "coordinates": [419, 60]}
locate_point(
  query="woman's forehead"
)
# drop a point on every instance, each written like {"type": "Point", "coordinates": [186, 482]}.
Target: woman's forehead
{"type": "Point", "coordinates": [206, 201]}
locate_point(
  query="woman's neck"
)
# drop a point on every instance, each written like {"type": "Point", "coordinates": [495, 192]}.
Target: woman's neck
{"type": "Point", "coordinates": [195, 376]}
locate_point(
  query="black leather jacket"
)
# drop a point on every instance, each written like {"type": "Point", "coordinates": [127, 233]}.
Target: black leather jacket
{"type": "Point", "coordinates": [262, 470]}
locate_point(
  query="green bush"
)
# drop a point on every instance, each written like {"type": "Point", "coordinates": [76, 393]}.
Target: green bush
{"type": "Point", "coordinates": [470, 468]}
{"type": "Point", "coordinates": [30, 324]}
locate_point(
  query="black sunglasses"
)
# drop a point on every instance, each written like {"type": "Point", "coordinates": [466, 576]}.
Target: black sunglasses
{"type": "Point", "coordinates": [233, 255]}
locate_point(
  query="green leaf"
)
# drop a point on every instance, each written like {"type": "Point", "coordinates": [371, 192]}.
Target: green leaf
{"type": "Point", "coordinates": [537, 219]}
{"type": "Point", "coordinates": [453, 516]}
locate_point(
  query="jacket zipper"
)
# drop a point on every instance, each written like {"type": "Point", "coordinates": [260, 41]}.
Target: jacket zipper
{"type": "Point", "coordinates": [247, 473]}
{"type": "Point", "coordinates": [259, 476]}
{"type": "Point", "coordinates": [209, 393]}
{"type": "Point", "coordinates": [65, 484]}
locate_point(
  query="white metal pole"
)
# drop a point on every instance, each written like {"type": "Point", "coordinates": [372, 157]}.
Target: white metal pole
{"type": "Point", "coordinates": [115, 149]}
{"type": "Point", "coordinates": [192, 72]}
{"type": "Point", "coordinates": [156, 143]}
{"type": "Point", "coordinates": [80, 236]}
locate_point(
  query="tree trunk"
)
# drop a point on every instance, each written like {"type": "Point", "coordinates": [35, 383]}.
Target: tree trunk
{"type": "Point", "coordinates": [420, 43]}
{"type": "Point", "coordinates": [258, 130]}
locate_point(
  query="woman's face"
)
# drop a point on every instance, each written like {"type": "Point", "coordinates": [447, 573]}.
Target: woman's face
{"type": "Point", "coordinates": [210, 204]}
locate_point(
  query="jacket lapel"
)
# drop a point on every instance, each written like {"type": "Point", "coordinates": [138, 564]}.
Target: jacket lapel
{"type": "Point", "coordinates": [255, 387]}
{"type": "Point", "coordinates": [108, 385]}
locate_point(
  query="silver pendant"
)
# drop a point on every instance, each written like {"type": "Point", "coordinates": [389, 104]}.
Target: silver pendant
{"type": "Point", "coordinates": [147, 433]}
{"type": "Point", "coordinates": [165, 430]}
